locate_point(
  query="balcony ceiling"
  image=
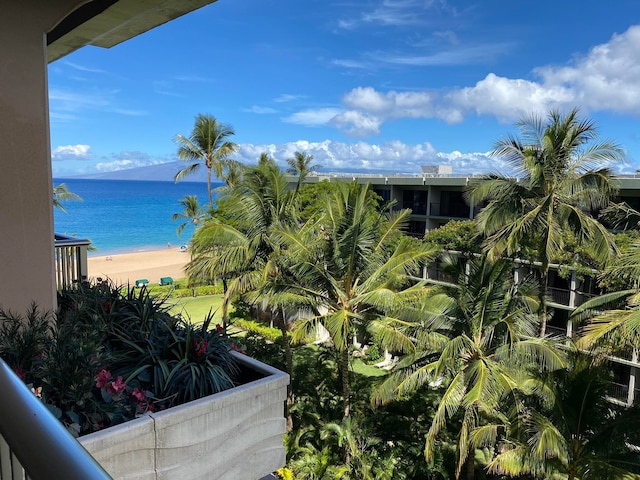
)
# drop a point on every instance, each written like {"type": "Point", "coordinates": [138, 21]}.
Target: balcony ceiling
{"type": "Point", "coordinates": [105, 23]}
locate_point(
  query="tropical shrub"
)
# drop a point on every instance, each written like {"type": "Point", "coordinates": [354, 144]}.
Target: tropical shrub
{"type": "Point", "coordinates": [110, 354]}
{"type": "Point", "coordinates": [457, 235]}
{"type": "Point", "coordinates": [258, 328]}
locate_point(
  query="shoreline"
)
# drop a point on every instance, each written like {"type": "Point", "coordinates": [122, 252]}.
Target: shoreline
{"type": "Point", "coordinates": [127, 267]}
{"type": "Point", "coordinates": [128, 250]}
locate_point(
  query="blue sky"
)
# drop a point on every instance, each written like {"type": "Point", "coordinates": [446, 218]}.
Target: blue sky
{"type": "Point", "coordinates": [380, 85]}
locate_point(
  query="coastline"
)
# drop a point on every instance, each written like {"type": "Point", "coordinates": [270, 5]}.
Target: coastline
{"type": "Point", "coordinates": [150, 264]}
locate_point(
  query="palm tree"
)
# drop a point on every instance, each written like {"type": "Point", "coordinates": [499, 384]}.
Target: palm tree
{"type": "Point", "coordinates": [474, 340]}
{"type": "Point", "coordinates": [348, 267]}
{"type": "Point", "coordinates": [243, 253]}
{"type": "Point", "coordinates": [559, 178]}
{"type": "Point", "coordinates": [576, 434]}
{"type": "Point", "coordinates": [208, 144]}
{"type": "Point", "coordinates": [301, 166]}
{"type": "Point", "coordinates": [238, 247]}
{"type": "Point", "coordinates": [613, 319]}
{"type": "Point", "coordinates": [192, 213]}
{"type": "Point", "coordinates": [62, 194]}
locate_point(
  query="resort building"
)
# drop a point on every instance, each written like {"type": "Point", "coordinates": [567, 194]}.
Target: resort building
{"type": "Point", "coordinates": [436, 196]}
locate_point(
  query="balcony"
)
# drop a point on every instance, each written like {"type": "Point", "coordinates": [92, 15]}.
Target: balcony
{"type": "Point", "coordinates": [453, 210]}
{"type": "Point", "coordinates": [561, 296]}
{"type": "Point", "coordinates": [70, 260]}
{"type": "Point", "coordinates": [241, 428]}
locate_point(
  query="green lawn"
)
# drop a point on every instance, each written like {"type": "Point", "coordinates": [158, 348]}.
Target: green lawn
{"type": "Point", "coordinates": [197, 308]}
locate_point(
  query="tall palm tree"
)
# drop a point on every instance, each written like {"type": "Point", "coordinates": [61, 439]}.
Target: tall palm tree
{"type": "Point", "coordinates": [348, 267]}
{"type": "Point", "coordinates": [576, 435]}
{"type": "Point", "coordinates": [559, 178]}
{"type": "Point", "coordinates": [243, 253]}
{"type": "Point", "coordinates": [208, 144]}
{"type": "Point", "coordinates": [475, 340]}
{"type": "Point", "coordinates": [300, 165]}
{"type": "Point", "coordinates": [239, 247]}
{"type": "Point", "coordinates": [613, 319]}
{"type": "Point", "coordinates": [62, 194]}
{"type": "Point", "coordinates": [192, 213]}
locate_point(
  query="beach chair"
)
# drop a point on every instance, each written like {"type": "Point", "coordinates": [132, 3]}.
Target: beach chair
{"type": "Point", "coordinates": [166, 281]}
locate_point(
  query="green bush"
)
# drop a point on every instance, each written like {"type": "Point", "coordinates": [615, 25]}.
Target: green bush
{"type": "Point", "coordinates": [111, 353]}
{"type": "Point", "coordinates": [252, 326]}
{"type": "Point", "coordinates": [372, 354]}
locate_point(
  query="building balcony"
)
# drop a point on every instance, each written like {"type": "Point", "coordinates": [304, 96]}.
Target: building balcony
{"type": "Point", "coordinates": [70, 260]}
{"type": "Point", "coordinates": [453, 210]}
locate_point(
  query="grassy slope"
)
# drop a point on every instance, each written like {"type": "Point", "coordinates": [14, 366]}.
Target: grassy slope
{"type": "Point", "coordinates": [197, 308]}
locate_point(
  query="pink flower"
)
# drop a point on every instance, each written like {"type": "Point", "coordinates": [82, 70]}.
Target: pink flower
{"type": "Point", "coordinates": [219, 328]}
{"type": "Point", "coordinates": [20, 373]}
{"type": "Point", "coordinates": [138, 394]}
{"type": "Point", "coordinates": [200, 346]}
{"type": "Point", "coordinates": [104, 377]}
{"type": "Point", "coordinates": [116, 386]}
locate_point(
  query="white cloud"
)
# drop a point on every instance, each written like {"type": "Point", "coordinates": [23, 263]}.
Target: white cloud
{"type": "Point", "coordinates": [392, 13]}
{"type": "Point", "coordinates": [64, 101]}
{"type": "Point", "coordinates": [389, 157]}
{"type": "Point", "coordinates": [71, 152]}
{"type": "Point", "coordinates": [606, 79]}
{"type": "Point", "coordinates": [288, 97]}
{"type": "Point", "coordinates": [115, 165]}
{"type": "Point", "coordinates": [126, 160]}
{"type": "Point", "coordinates": [259, 110]}
{"type": "Point", "coordinates": [313, 117]}
{"type": "Point", "coordinates": [83, 68]}
{"type": "Point", "coordinates": [357, 124]}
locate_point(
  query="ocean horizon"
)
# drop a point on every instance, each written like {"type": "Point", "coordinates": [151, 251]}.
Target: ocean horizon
{"type": "Point", "coordinates": [125, 216]}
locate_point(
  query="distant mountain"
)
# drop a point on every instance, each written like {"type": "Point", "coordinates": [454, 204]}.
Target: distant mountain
{"type": "Point", "coordinates": [163, 172]}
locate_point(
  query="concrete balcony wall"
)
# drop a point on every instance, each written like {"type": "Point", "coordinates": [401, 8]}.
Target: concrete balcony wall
{"type": "Point", "coordinates": [233, 435]}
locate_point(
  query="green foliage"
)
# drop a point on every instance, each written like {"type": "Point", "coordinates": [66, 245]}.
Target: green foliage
{"type": "Point", "coordinates": [258, 328]}
{"type": "Point", "coordinates": [110, 354]}
{"type": "Point", "coordinates": [372, 354]}
{"type": "Point", "coordinates": [207, 145]}
{"type": "Point", "coordinates": [23, 339]}
{"type": "Point", "coordinates": [457, 235]}
{"type": "Point", "coordinates": [62, 194]}
{"type": "Point", "coordinates": [262, 349]}
{"type": "Point", "coordinates": [312, 199]}
{"type": "Point", "coordinates": [576, 434]}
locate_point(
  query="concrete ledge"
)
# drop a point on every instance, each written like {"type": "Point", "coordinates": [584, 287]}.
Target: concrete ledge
{"type": "Point", "coordinates": [232, 435]}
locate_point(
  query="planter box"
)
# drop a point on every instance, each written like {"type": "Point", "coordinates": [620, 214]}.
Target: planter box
{"type": "Point", "coordinates": [232, 435]}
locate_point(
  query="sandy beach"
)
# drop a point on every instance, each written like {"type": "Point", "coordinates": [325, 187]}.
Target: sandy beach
{"type": "Point", "coordinates": [129, 267]}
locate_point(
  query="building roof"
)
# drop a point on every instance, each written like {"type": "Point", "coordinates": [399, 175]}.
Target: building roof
{"type": "Point", "coordinates": [106, 23]}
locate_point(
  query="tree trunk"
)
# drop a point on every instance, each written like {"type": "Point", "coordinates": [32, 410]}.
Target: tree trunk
{"type": "Point", "coordinates": [288, 355]}
{"type": "Point", "coordinates": [471, 465]}
{"type": "Point", "coordinates": [225, 305]}
{"type": "Point", "coordinates": [544, 286]}
{"type": "Point", "coordinates": [209, 188]}
{"type": "Point", "coordinates": [344, 366]}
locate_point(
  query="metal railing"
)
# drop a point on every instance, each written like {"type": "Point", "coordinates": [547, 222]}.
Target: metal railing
{"type": "Point", "coordinates": [70, 260]}
{"type": "Point", "coordinates": [561, 296]}
{"type": "Point", "coordinates": [454, 210]}
{"type": "Point", "coordinates": [619, 392]}
{"type": "Point", "coordinates": [33, 443]}
{"type": "Point", "coordinates": [556, 331]}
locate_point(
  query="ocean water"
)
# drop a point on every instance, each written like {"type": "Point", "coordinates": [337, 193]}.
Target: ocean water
{"type": "Point", "coordinates": [126, 216]}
